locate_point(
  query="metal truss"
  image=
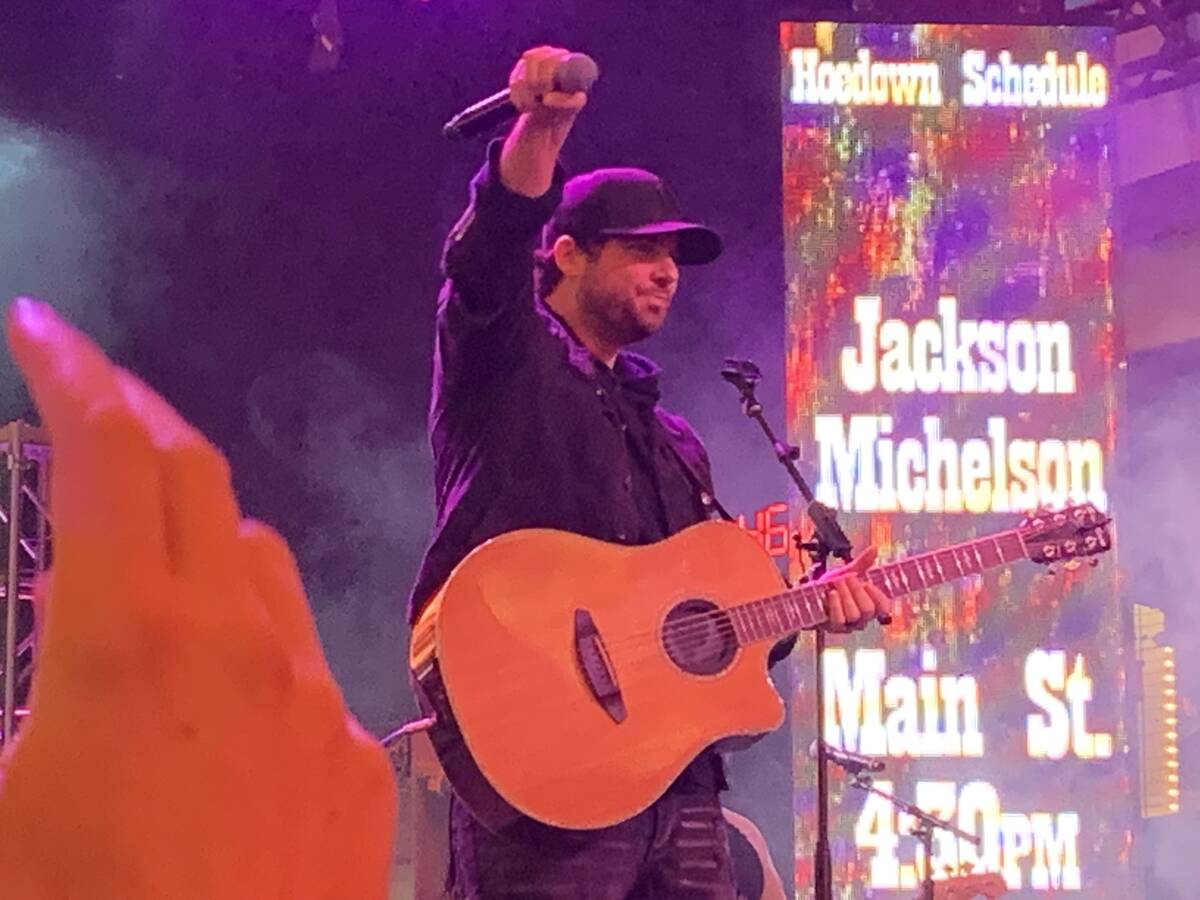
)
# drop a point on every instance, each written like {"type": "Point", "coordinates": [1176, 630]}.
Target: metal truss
{"type": "Point", "coordinates": [24, 515]}
{"type": "Point", "coordinates": [1176, 29]}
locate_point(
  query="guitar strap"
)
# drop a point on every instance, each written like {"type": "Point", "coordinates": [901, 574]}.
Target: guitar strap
{"type": "Point", "coordinates": [712, 504]}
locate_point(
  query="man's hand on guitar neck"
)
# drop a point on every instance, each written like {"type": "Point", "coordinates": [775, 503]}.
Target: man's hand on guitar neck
{"type": "Point", "coordinates": [851, 602]}
{"type": "Point", "coordinates": [185, 738]}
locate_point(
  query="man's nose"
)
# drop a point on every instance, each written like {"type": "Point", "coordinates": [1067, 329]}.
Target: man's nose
{"type": "Point", "coordinates": [666, 273]}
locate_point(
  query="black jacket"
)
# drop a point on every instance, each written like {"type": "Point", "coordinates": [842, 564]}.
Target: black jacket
{"type": "Point", "coordinates": [527, 429]}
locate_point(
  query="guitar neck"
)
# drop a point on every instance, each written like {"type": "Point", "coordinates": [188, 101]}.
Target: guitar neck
{"type": "Point", "coordinates": [781, 615]}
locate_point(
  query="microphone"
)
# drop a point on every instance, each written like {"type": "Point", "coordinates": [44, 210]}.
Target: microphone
{"type": "Point", "coordinates": [851, 762]}
{"type": "Point", "coordinates": [578, 72]}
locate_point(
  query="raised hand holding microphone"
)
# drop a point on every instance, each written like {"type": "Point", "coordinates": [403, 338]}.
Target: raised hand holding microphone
{"type": "Point", "coordinates": [536, 85]}
{"type": "Point", "coordinates": [575, 72]}
{"type": "Point", "coordinates": [546, 116]}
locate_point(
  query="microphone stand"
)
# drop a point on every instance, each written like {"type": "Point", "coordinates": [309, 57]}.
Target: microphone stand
{"type": "Point", "coordinates": [926, 825]}
{"type": "Point", "coordinates": [828, 540]}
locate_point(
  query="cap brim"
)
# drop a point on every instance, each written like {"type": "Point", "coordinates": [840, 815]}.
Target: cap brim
{"type": "Point", "coordinates": [697, 245]}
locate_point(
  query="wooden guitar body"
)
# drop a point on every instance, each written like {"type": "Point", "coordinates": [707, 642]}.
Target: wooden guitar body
{"type": "Point", "coordinates": [573, 680]}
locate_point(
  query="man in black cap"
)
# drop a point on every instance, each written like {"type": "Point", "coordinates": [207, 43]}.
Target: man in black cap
{"type": "Point", "coordinates": [541, 418]}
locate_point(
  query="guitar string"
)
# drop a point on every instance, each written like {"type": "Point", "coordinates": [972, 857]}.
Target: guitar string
{"type": "Point", "coordinates": [879, 577]}
{"type": "Point", "coordinates": [701, 628]}
{"type": "Point", "coordinates": [700, 623]}
{"type": "Point", "coordinates": [688, 635]}
{"type": "Point", "coordinates": [698, 629]}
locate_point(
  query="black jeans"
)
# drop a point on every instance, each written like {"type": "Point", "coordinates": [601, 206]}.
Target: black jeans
{"type": "Point", "coordinates": [678, 848]}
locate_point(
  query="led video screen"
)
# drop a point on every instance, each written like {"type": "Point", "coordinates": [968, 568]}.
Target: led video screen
{"type": "Point", "coordinates": [952, 366]}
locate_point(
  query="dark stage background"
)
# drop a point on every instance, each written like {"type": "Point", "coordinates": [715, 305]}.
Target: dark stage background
{"type": "Point", "coordinates": [260, 242]}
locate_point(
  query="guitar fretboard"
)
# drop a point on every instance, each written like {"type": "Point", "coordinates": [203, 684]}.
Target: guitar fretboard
{"type": "Point", "coordinates": [794, 610]}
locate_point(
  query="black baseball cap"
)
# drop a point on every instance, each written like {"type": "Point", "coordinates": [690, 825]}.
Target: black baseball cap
{"type": "Point", "coordinates": [626, 202]}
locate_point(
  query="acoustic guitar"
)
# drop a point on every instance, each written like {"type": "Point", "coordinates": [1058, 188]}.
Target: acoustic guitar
{"type": "Point", "coordinates": [573, 680]}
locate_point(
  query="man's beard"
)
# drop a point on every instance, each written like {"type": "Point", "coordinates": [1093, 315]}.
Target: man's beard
{"type": "Point", "coordinates": [614, 319]}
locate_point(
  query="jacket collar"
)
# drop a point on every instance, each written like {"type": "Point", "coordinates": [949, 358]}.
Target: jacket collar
{"type": "Point", "coordinates": [636, 373]}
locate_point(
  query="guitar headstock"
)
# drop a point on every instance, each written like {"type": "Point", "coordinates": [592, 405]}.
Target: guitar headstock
{"type": "Point", "coordinates": [966, 887]}
{"type": "Point", "coordinates": [1076, 532]}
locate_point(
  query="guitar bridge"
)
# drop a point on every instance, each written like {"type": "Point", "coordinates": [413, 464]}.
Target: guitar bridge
{"type": "Point", "coordinates": [596, 667]}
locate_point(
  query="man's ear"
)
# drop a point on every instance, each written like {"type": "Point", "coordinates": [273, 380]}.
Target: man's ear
{"type": "Point", "coordinates": [570, 258]}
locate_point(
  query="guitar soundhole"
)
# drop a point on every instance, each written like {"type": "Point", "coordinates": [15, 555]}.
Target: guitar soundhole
{"type": "Point", "coordinates": [698, 636]}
